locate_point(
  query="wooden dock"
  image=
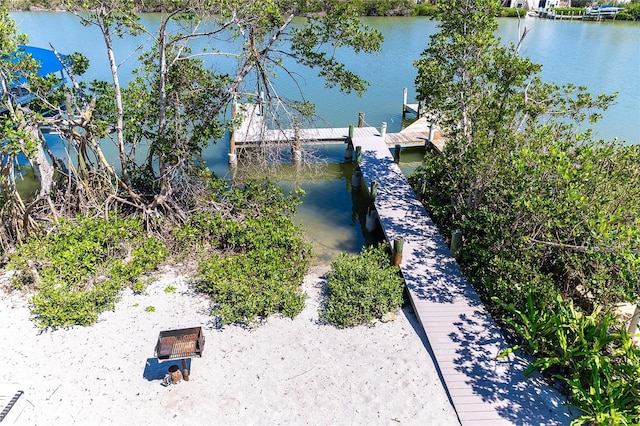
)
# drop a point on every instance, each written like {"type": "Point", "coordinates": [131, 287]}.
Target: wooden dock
{"type": "Point", "coordinates": [463, 339]}
{"type": "Point", "coordinates": [253, 131]}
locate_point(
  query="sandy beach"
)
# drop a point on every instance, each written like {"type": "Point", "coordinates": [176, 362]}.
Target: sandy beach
{"type": "Point", "coordinates": [284, 372]}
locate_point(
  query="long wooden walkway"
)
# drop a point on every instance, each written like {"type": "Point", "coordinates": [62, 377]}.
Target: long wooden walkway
{"type": "Point", "coordinates": [463, 338]}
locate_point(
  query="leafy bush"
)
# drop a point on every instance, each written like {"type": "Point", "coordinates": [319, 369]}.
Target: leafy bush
{"type": "Point", "coordinates": [593, 354]}
{"type": "Point", "coordinates": [262, 257]}
{"type": "Point", "coordinates": [362, 288]}
{"type": "Point", "coordinates": [512, 12]}
{"type": "Point", "coordinates": [425, 9]}
{"type": "Point", "coordinates": [79, 269]}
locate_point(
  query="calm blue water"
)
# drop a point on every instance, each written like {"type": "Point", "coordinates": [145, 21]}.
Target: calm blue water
{"type": "Point", "coordinates": [603, 56]}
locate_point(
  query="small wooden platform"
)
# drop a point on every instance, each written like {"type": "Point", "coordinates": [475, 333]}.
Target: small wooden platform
{"type": "Point", "coordinates": [422, 127]}
{"type": "Point", "coordinates": [253, 131]}
{"type": "Point", "coordinates": [464, 341]}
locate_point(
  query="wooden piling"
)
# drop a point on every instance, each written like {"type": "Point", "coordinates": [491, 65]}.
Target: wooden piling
{"type": "Point", "coordinates": [358, 155]}
{"type": "Point", "coordinates": [356, 179]}
{"type": "Point", "coordinates": [232, 140]}
{"type": "Point", "coordinates": [456, 242]}
{"type": "Point", "coordinates": [404, 104]}
{"type": "Point", "coordinates": [361, 119]}
{"type": "Point", "coordinates": [371, 221]}
{"type": "Point", "coordinates": [373, 192]}
{"type": "Point", "coordinates": [348, 153]}
{"type": "Point", "coordinates": [396, 154]}
{"type": "Point", "coordinates": [398, 243]}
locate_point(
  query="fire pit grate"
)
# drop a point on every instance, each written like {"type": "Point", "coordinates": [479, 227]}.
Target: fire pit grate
{"type": "Point", "coordinates": [182, 343]}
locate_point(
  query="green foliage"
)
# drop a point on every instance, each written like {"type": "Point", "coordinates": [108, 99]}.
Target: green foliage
{"type": "Point", "coordinates": [150, 309]}
{"type": "Point", "coordinates": [362, 288]}
{"type": "Point", "coordinates": [511, 12]}
{"type": "Point", "coordinates": [592, 353]}
{"type": "Point", "coordinates": [313, 44]}
{"type": "Point", "coordinates": [170, 289]}
{"type": "Point", "coordinates": [192, 95]}
{"type": "Point", "coordinates": [79, 269]}
{"type": "Point", "coordinates": [631, 12]}
{"type": "Point", "coordinates": [540, 205]}
{"type": "Point", "coordinates": [263, 258]}
{"type": "Point", "coordinates": [138, 287]}
{"type": "Point", "coordinates": [425, 9]}
{"type": "Point", "coordinates": [386, 7]}
{"type": "Point", "coordinates": [544, 209]}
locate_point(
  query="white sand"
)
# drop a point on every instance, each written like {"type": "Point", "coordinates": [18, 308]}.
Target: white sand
{"type": "Point", "coordinates": [291, 372]}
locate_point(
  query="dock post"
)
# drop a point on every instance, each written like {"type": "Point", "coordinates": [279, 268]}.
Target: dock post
{"type": "Point", "coordinates": [398, 243]}
{"type": "Point", "coordinates": [371, 220]}
{"type": "Point", "coordinates": [348, 153]}
{"type": "Point", "coordinates": [404, 104]}
{"type": "Point", "coordinates": [456, 241]}
{"type": "Point", "coordinates": [373, 192]}
{"type": "Point", "coordinates": [361, 119]}
{"type": "Point", "coordinates": [356, 177]}
{"type": "Point", "coordinates": [296, 156]}
{"type": "Point", "coordinates": [383, 130]}
{"type": "Point", "coordinates": [233, 158]}
{"type": "Point", "coordinates": [396, 154]}
{"type": "Point", "coordinates": [296, 152]}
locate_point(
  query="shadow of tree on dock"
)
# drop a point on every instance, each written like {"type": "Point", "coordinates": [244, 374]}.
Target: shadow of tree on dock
{"type": "Point", "coordinates": [461, 335]}
{"type": "Point", "coordinates": [501, 381]}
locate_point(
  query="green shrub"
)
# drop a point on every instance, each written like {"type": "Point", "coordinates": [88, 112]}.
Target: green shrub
{"type": "Point", "coordinates": [593, 354]}
{"type": "Point", "coordinates": [425, 9]}
{"type": "Point", "coordinates": [79, 269]}
{"type": "Point", "coordinates": [250, 286]}
{"type": "Point", "coordinates": [632, 10]}
{"type": "Point", "coordinates": [512, 12]}
{"type": "Point", "coordinates": [362, 288]}
{"type": "Point", "coordinates": [262, 255]}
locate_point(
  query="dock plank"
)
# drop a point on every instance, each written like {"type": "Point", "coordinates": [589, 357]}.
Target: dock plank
{"type": "Point", "coordinates": [463, 338]}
